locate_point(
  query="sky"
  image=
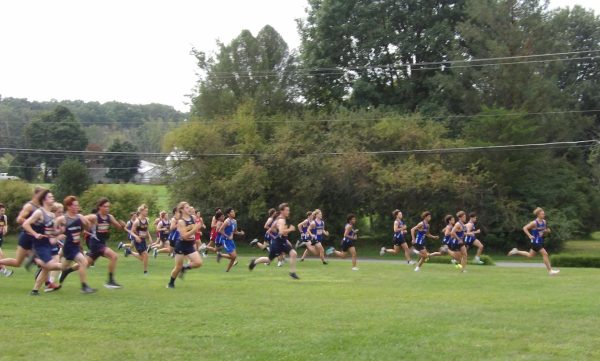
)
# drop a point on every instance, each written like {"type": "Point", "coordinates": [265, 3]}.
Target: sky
{"type": "Point", "coordinates": [134, 51]}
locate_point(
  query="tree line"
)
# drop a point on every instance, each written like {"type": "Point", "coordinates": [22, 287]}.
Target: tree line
{"type": "Point", "coordinates": [402, 75]}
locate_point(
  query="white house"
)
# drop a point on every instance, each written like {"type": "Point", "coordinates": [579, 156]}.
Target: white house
{"type": "Point", "coordinates": [148, 173]}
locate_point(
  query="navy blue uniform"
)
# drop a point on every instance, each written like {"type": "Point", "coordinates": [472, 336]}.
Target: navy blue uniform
{"type": "Point", "coordinates": [279, 244]}
{"type": "Point", "coordinates": [420, 239]}
{"type": "Point", "coordinates": [469, 239]}
{"type": "Point", "coordinates": [399, 236]}
{"type": "Point", "coordinates": [348, 241]}
{"type": "Point", "coordinates": [45, 227]}
{"type": "Point", "coordinates": [186, 246]}
{"type": "Point", "coordinates": [101, 234]}
{"type": "Point", "coordinates": [164, 234]}
{"type": "Point", "coordinates": [25, 239]}
{"type": "Point", "coordinates": [318, 235]}
{"type": "Point", "coordinates": [142, 232]}
{"type": "Point", "coordinates": [73, 228]}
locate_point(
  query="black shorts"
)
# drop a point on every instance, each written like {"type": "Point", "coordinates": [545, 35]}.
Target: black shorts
{"type": "Point", "coordinates": [347, 244]}
{"type": "Point", "coordinates": [185, 247]}
{"type": "Point", "coordinates": [26, 240]}
{"type": "Point", "coordinates": [313, 242]}
{"type": "Point", "coordinates": [278, 247]}
{"type": "Point", "coordinates": [141, 247]}
{"type": "Point", "coordinates": [455, 247]}
{"type": "Point", "coordinates": [419, 247]}
{"type": "Point", "coordinates": [398, 241]}
{"type": "Point", "coordinates": [537, 246]}
{"type": "Point", "coordinates": [70, 251]}
{"type": "Point", "coordinates": [164, 237]}
{"type": "Point", "coordinates": [96, 251]}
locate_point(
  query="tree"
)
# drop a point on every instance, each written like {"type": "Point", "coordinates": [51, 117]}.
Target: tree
{"type": "Point", "coordinates": [72, 179]}
{"type": "Point", "coordinates": [251, 69]}
{"type": "Point", "coordinates": [57, 130]}
{"type": "Point", "coordinates": [359, 52]}
{"type": "Point", "coordinates": [122, 167]}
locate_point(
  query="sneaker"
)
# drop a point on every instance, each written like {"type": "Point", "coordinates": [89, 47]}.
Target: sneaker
{"type": "Point", "coordinates": [34, 293]}
{"type": "Point", "coordinates": [268, 249]}
{"type": "Point", "coordinates": [355, 268]}
{"type": "Point", "coordinates": [219, 256]}
{"type": "Point", "coordinates": [513, 252]}
{"type": "Point", "coordinates": [254, 242]}
{"type": "Point", "coordinates": [301, 259]}
{"type": "Point", "coordinates": [382, 251]}
{"type": "Point", "coordinates": [155, 253]}
{"type": "Point", "coordinates": [181, 274]}
{"type": "Point", "coordinates": [252, 264]}
{"type": "Point", "coordinates": [88, 290]}
{"type": "Point", "coordinates": [127, 252]}
{"type": "Point", "coordinates": [112, 285]}
{"type": "Point", "coordinates": [296, 245]}
{"type": "Point", "coordinates": [411, 262]}
{"type": "Point", "coordinates": [417, 269]}
{"type": "Point", "coordinates": [463, 271]}
{"type": "Point", "coordinates": [145, 273]}
{"type": "Point", "coordinates": [170, 285]}
{"type": "Point", "coordinates": [279, 263]}
{"type": "Point", "coordinates": [453, 261]}
{"type": "Point", "coordinates": [329, 251]}
{"type": "Point", "coordinates": [203, 247]}
{"type": "Point", "coordinates": [172, 254]}
{"type": "Point", "coordinates": [203, 254]}
{"type": "Point", "coordinates": [325, 262]}
{"type": "Point", "coordinates": [478, 261]}
{"type": "Point", "coordinates": [554, 272]}
{"type": "Point", "coordinates": [294, 275]}
{"type": "Point", "coordinates": [235, 263]}
{"type": "Point", "coordinates": [52, 287]}
{"type": "Point", "coordinates": [120, 245]}
{"type": "Point", "coordinates": [7, 272]}
{"type": "Point", "coordinates": [457, 265]}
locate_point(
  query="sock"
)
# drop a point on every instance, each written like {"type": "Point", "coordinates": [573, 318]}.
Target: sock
{"type": "Point", "coordinates": [83, 285]}
{"type": "Point", "coordinates": [172, 281]}
{"type": "Point", "coordinates": [110, 277]}
{"type": "Point", "coordinates": [64, 274]}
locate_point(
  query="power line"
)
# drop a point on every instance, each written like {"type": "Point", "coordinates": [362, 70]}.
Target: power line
{"type": "Point", "coordinates": [188, 156]}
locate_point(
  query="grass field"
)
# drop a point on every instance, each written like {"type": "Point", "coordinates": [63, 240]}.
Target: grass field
{"type": "Point", "coordinates": [385, 311]}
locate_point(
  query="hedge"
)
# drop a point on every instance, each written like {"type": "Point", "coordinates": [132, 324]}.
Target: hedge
{"type": "Point", "coordinates": [575, 261]}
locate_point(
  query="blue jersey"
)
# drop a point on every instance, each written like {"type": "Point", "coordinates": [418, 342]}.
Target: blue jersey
{"type": "Point", "coordinates": [230, 229]}
{"type": "Point", "coordinates": [400, 234]}
{"type": "Point", "coordinates": [538, 232]}
{"type": "Point", "coordinates": [447, 240]}
{"type": "Point", "coordinates": [268, 234]}
{"type": "Point", "coordinates": [319, 228]}
{"type": "Point", "coordinates": [351, 233]}
{"type": "Point", "coordinates": [188, 222]}
{"type": "Point", "coordinates": [422, 233]}
{"type": "Point", "coordinates": [470, 238]}
{"type": "Point", "coordinates": [304, 229]}
{"type": "Point", "coordinates": [45, 226]}
{"type": "Point", "coordinates": [460, 235]}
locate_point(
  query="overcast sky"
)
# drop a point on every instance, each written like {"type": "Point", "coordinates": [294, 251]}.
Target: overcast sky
{"type": "Point", "coordinates": [135, 51]}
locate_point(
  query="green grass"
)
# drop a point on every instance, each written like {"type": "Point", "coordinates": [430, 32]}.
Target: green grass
{"type": "Point", "coordinates": [385, 311]}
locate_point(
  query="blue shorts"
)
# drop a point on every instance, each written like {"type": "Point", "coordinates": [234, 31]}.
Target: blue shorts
{"type": "Point", "coordinates": [141, 247]}
{"type": "Point", "coordinates": [97, 249]}
{"type": "Point", "coordinates": [537, 246]}
{"type": "Point", "coordinates": [185, 247]}
{"type": "Point", "coordinates": [278, 247]}
{"type": "Point", "coordinates": [398, 241]}
{"type": "Point", "coordinates": [26, 240]}
{"type": "Point", "coordinates": [347, 244]}
{"type": "Point", "coordinates": [70, 251]}
{"type": "Point", "coordinates": [55, 249]}
{"type": "Point", "coordinates": [267, 237]}
{"type": "Point", "coordinates": [419, 247]}
{"type": "Point", "coordinates": [219, 241]}
{"type": "Point", "coordinates": [469, 240]}
{"type": "Point", "coordinates": [229, 246]}
{"type": "Point", "coordinates": [43, 252]}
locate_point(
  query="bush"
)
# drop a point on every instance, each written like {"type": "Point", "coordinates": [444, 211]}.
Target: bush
{"type": "Point", "coordinates": [72, 179]}
{"type": "Point", "coordinates": [575, 261]}
{"type": "Point", "coordinates": [14, 194]}
{"type": "Point", "coordinates": [122, 200]}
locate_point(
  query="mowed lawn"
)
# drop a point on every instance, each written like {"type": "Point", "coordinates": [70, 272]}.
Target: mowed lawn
{"type": "Point", "coordinates": [385, 311]}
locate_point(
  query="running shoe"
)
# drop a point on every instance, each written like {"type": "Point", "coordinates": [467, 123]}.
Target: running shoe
{"type": "Point", "coordinates": [294, 275]}
{"type": "Point", "coordinates": [513, 252]}
{"type": "Point", "coordinates": [382, 251]}
{"type": "Point", "coordinates": [112, 285]}
{"type": "Point", "coordinates": [554, 272]}
{"type": "Point", "coordinates": [252, 264]}
{"type": "Point", "coordinates": [88, 290]}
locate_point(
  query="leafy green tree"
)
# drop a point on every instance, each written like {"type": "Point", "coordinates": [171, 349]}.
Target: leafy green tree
{"type": "Point", "coordinates": [72, 179]}
{"type": "Point", "coordinates": [122, 167]}
{"type": "Point", "coordinates": [251, 69]}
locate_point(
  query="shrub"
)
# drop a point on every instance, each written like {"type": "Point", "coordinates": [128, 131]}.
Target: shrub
{"type": "Point", "coordinates": [13, 194]}
{"type": "Point", "coordinates": [575, 261]}
{"type": "Point", "coordinates": [72, 179]}
{"type": "Point", "coordinates": [122, 199]}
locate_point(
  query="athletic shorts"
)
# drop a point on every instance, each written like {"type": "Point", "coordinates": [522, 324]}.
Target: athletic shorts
{"type": "Point", "coordinates": [213, 235]}
{"type": "Point", "coordinates": [469, 241]}
{"type": "Point", "coordinates": [347, 244]}
{"type": "Point", "coordinates": [278, 247]}
{"type": "Point", "coordinates": [455, 247]}
{"type": "Point", "coordinates": [228, 245]}
{"type": "Point", "coordinates": [70, 251]}
{"type": "Point", "coordinates": [141, 247]}
{"type": "Point", "coordinates": [267, 237]}
{"type": "Point", "coordinates": [537, 246]}
{"type": "Point", "coordinates": [164, 237]}
{"type": "Point", "coordinates": [185, 247]}
{"type": "Point", "coordinates": [96, 250]}
{"type": "Point", "coordinates": [314, 242]}
{"type": "Point", "coordinates": [43, 252]}
{"type": "Point", "coordinates": [419, 247]}
{"type": "Point", "coordinates": [219, 241]}
{"type": "Point", "coordinates": [26, 240]}
{"type": "Point", "coordinates": [398, 241]}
